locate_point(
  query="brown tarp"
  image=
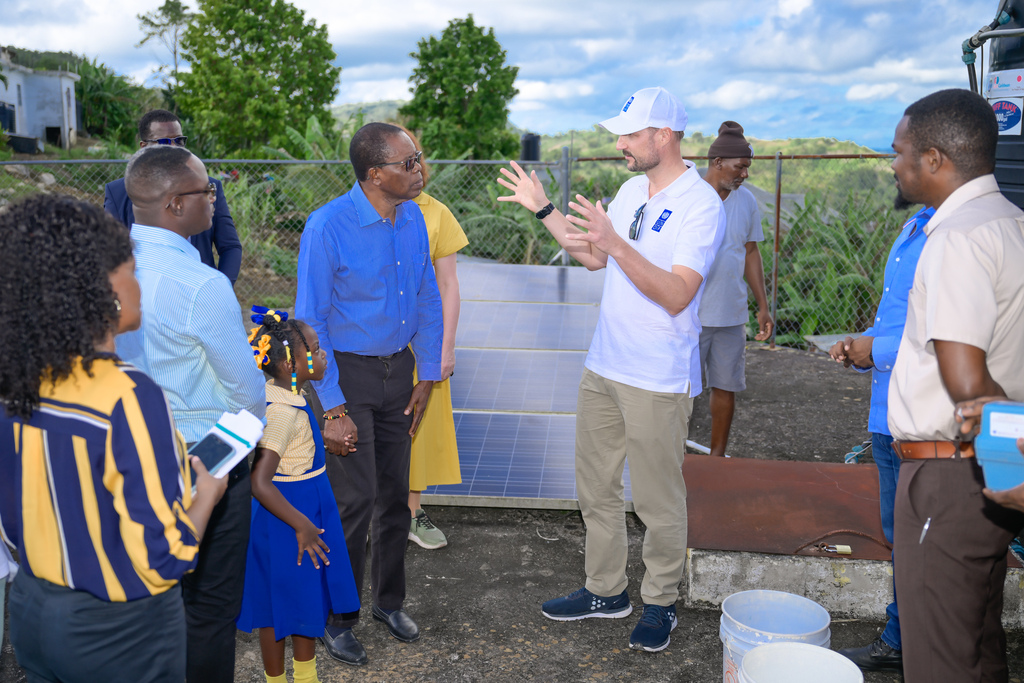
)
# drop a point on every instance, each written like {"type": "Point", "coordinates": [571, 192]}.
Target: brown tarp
{"type": "Point", "coordinates": [783, 507]}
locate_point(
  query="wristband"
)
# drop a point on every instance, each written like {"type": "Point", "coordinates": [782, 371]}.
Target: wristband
{"type": "Point", "coordinates": [545, 212]}
{"type": "Point", "coordinates": [336, 417]}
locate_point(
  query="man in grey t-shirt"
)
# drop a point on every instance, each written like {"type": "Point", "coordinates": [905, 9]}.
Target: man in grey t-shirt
{"type": "Point", "coordinates": [723, 310]}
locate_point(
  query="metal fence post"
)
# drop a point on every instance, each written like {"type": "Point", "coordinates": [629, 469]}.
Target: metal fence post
{"type": "Point", "coordinates": [566, 180]}
{"type": "Point", "coordinates": [775, 248]}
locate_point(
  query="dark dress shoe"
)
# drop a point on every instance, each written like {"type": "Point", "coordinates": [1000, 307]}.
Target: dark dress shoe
{"type": "Point", "coordinates": [400, 624]}
{"type": "Point", "coordinates": [877, 656]}
{"type": "Point", "coordinates": [344, 647]}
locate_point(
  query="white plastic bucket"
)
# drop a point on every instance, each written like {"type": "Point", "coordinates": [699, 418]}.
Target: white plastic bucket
{"type": "Point", "coordinates": [758, 617]}
{"type": "Point", "coordinates": [797, 663]}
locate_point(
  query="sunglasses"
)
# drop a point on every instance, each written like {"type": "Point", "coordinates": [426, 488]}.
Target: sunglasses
{"type": "Point", "coordinates": [409, 163]}
{"type": "Point", "coordinates": [638, 221]}
{"type": "Point", "coordinates": [210, 191]}
{"type": "Point", "coordinates": [177, 142]}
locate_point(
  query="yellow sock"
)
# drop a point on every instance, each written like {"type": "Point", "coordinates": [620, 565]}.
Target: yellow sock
{"type": "Point", "coordinates": [305, 672]}
{"type": "Point", "coordinates": [275, 679]}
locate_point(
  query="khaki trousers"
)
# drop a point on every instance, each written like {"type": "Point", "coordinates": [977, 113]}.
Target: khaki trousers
{"type": "Point", "coordinates": [615, 421]}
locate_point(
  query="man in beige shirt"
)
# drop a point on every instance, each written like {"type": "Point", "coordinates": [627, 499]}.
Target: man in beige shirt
{"type": "Point", "coordinates": [963, 340]}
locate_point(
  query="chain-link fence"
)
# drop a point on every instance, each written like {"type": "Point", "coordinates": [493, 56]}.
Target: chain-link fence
{"type": "Point", "coordinates": [836, 221]}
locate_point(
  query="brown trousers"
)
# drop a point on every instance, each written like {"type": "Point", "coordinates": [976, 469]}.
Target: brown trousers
{"type": "Point", "coordinates": [950, 577]}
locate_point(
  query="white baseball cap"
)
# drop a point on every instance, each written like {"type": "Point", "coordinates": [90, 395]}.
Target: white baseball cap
{"type": "Point", "coordinates": [648, 108]}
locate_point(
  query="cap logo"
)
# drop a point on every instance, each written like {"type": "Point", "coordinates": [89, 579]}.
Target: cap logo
{"type": "Point", "coordinates": [626, 107]}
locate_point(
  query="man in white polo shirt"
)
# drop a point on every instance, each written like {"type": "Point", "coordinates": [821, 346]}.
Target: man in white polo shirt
{"type": "Point", "coordinates": [657, 239]}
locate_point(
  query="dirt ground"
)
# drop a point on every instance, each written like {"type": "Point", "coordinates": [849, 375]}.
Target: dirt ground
{"type": "Point", "coordinates": [478, 600]}
{"type": "Point", "coordinates": [799, 405]}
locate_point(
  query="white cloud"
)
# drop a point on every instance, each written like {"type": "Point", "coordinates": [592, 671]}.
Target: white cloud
{"type": "Point", "coordinates": [739, 94]}
{"type": "Point", "coordinates": [602, 47]}
{"type": "Point", "coordinates": [791, 8]}
{"type": "Point", "coordinates": [373, 90]}
{"type": "Point", "coordinates": [877, 20]}
{"type": "Point", "coordinates": [877, 91]}
{"type": "Point", "coordinates": [377, 71]}
{"type": "Point", "coordinates": [552, 90]}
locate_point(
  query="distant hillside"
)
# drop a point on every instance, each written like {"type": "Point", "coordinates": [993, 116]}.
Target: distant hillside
{"type": "Point", "coordinates": [386, 110]}
{"type": "Point", "coordinates": [45, 61]}
{"type": "Point", "coordinates": [600, 143]}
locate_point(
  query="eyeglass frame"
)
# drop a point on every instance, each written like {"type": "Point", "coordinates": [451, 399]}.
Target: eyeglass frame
{"type": "Point", "coordinates": [173, 142]}
{"type": "Point", "coordinates": [210, 192]}
{"type": "Point", "coordinates": [410, 163]}
{"type": "Point", "coordinates": [636, 227]}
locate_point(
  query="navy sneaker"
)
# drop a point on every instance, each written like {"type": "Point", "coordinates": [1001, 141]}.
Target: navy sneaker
{"type": "Point", "coordinates": [583, 604]}
{"type": "Point", "coordinates": [651, 632]}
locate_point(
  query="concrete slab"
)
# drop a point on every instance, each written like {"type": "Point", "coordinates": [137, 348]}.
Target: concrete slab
{"type": "Point", "coordinates": [852, 589]}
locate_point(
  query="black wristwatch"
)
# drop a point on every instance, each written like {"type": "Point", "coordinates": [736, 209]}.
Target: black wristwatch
{"type": "Point", "coordinates": [545, 212]}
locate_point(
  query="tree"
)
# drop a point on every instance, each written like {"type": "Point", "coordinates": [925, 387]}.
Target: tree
{"type": "Point", "coordinates": [461, 93]}
{"type": "Point", "coordinates": [111, 104]}
{"type": "Point", "coordinates": [168, 23]}
{"type": "Point", "coordinates": [257, 67]}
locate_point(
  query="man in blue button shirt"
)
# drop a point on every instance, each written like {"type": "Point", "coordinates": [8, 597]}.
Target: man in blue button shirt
{"type": "Point", "coordinates": [366, 285]}
{"type": "Point", "coordinates": [876, 350]}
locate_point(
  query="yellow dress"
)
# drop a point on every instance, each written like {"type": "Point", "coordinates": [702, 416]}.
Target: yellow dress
{"type": "Point", "coordinates": [435, 454]}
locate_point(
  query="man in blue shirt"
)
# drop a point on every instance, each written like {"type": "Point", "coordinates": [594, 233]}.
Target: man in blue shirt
{"type": "Point", "coordinates": [876, 350]}
{"type": "Point", "coordinates": [161, 127]}
{"type": "Point", "coordinates": [366, 285]}
{"type": "Point", "coordinates": [192, 343]}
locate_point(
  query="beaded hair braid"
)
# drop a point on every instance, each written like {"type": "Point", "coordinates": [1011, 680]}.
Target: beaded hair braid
{"type": "Point", "coordinates": [271, 341]}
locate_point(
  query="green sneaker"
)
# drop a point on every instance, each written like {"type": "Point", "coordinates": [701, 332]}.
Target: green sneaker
{"type": "Point", "coordinates": [424, 533]}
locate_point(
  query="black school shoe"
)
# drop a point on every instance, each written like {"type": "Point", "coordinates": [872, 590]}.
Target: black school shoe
{"type": "Point", "coordinates": [877, 656]}
{"type": "Point", "coordinates": [344, 647]}
{"type": "Point", "coordinates": [400, 625]}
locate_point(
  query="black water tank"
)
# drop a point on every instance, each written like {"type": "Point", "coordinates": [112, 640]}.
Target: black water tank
{"type": "Point", "coordinates": [1005, 82]}
{"type": "Point", "coordinates": [530, 149]}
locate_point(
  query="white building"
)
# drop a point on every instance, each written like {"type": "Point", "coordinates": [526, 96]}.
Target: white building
{"type": "Point", "coordinates": [43, 102]}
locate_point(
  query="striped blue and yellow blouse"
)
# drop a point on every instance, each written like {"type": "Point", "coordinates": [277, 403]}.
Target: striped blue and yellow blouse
{"type": "Point", "coordinates": [92, 487]}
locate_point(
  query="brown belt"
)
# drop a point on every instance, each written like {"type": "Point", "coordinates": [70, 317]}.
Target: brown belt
{"type": "Point", "coordinates": [929, 450]}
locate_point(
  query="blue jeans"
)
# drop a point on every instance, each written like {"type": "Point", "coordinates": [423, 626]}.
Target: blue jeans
{"type": "Point", "coordinates": [888, 464]}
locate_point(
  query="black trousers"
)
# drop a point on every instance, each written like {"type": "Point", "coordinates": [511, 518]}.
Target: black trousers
{"type": "Point", "coordinates": [213, 592]}
{"type": "Point", "coordinates": [66, 635]}
{"type": "Point", "coordinates": [371, 485]}
{"type": "Point", "coordinates": [950, 576]}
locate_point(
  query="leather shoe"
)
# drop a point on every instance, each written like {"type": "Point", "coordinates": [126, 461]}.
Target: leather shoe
{"type": "Point", "coordinates": [400, 625]}
{"type": "Point", "coordinates": [877, 656]}
{"type": "Point", "coordinates": [344, 647]}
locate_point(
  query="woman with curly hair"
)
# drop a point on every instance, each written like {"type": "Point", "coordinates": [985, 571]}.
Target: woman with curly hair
{"type": "Point", "coordinates": [95, 486]}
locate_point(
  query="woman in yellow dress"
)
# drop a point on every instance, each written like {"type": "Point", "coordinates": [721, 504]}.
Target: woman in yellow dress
{"type": "Point", "coordinates": [435, 454]}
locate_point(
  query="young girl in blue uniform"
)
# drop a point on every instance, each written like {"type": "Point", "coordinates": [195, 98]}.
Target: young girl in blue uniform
{"type": "Point", "coordinates": [297, 567]}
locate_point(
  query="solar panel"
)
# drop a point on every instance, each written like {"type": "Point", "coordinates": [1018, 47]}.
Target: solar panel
{"type": "Point", "coordinates": [520, 348]}
{"type": "Point", "coordinates": [507, 325]}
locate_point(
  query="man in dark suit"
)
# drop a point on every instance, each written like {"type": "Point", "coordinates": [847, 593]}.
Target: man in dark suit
{"type": "Point", "coordinates": [161, 127]}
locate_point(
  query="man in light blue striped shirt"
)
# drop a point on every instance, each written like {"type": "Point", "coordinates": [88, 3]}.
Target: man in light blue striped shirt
{"type": "Point", "coordinates": [193, 344]}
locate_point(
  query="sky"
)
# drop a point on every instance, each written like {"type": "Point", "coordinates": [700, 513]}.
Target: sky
{"type": "Point", "coordinates": [783, 68]}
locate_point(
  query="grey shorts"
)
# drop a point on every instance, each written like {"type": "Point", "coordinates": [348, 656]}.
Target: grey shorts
{"type": "Point", "coordinates": [722, 357]}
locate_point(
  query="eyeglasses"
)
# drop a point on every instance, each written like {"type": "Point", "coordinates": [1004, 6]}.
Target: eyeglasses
{"type": "Point", "coordinates": [409, 163]}
{"type": "Point", "coordinates": [210, 192]}
{"type": "Point", "coordinates": [177, 142]}
{"type": "Point", "coordinates": [638, 221]}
